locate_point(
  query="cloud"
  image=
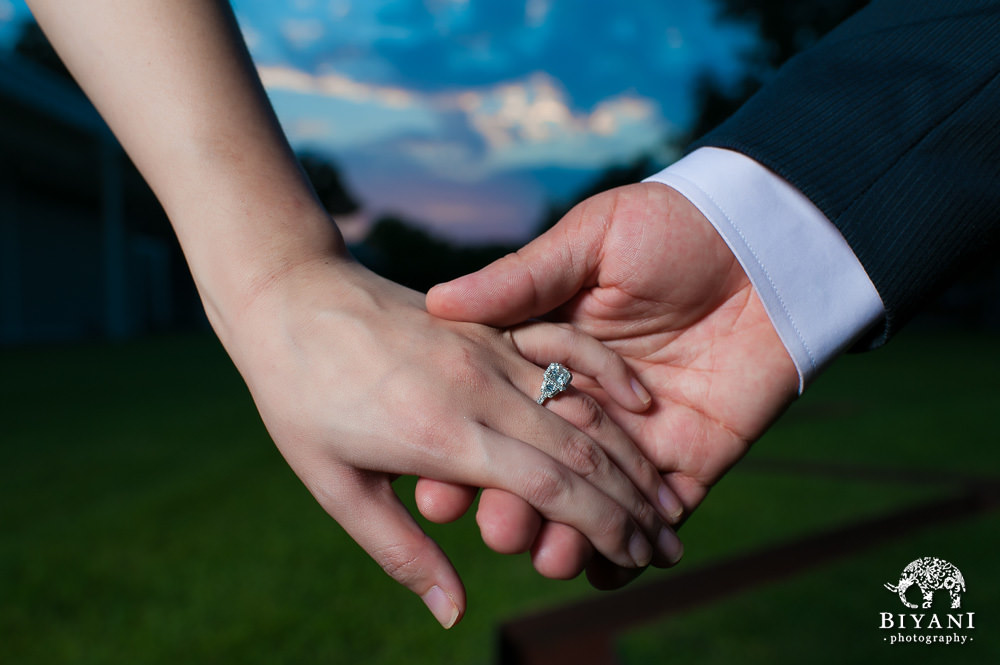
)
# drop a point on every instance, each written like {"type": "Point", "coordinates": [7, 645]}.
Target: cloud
{"type": "Point", "coordinates": [425, 99]}
{"type": "Point", "coordinates": [334, 85]}
{"type": "Point", "coordinates": [531, 123]}
{"type": "Point", "coordinates": [468, 133]}
{"type": "Point", "coordinates": [339, 9]}
{"type": "Point", "coordinates": [644, 46]}
{"type": "Point", "coordinates": [501, 208]}
{"type": "Point", "coordinates": [302, 33]}
{"type": "Point", "coordinates": [645, 49]}
{"type": "Point", "coordinates": [536, 12]}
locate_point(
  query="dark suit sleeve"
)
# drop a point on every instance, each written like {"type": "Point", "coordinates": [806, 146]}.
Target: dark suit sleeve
{"type": "Point", "coordinates": [891, 126]}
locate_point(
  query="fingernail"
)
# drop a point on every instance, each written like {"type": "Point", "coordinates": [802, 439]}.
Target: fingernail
{"type": "Point", "coordinates": [671, 504]}
{"type": "Point", "coordinates": [640, 550]}
{"type": "Point", "coordinates": [641, 392]}
{"type": "Point", "coordinates": [441, 606]}
{"type": "Point", "coordinates": [670, 545]}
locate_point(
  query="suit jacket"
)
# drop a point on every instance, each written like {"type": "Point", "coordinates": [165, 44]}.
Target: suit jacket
{"type": "Point", "coordinates": [891, 126]}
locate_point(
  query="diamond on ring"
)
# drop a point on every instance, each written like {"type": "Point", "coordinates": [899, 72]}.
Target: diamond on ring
{"type": "Point", "coordinates": [555, 380]}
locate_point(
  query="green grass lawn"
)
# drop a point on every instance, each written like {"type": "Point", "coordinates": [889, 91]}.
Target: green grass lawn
{"type": "Point", "coordinates": [145, 517]}
{"type": "Point", "coordinates": [926, 402]}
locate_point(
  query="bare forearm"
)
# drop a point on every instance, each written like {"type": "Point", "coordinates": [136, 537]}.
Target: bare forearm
{"type": "Point", "coordinates": [176, 85]}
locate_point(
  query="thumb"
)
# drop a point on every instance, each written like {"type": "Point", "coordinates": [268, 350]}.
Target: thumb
{"type": "Point", "coordinates": [367, 508]}
{"type": "Point", "coordinates": [536, 279]}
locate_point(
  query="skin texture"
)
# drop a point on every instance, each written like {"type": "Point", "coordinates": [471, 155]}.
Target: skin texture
{"type": "Point", "coordinates": [354, 380]}
{"type": "Point", "coordinates": [641, 269]}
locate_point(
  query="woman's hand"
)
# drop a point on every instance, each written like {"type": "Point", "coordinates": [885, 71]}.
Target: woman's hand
{"type": "Point", "coordinates": [353, 379]}
{"type": "Point", "coordinates": [641, 269]}
{"type": "Point", "coordinates": [357, 383]}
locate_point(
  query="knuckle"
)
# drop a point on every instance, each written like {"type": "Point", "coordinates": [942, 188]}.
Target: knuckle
{"type": "Point", "coordinates": [588, 414]}
{"type": "Point", "coordinates": [544, 485]}
{"type": "Point", "coordinates": [584, 457]}
{"type": "Point", "coordinates": [612, 524]}
{"type": "Point", "coordinates": [402, 562]}
{"type": "Point", "coordinates": [644, 513]}
{"type": "Point", "coordinates": [645, 473]}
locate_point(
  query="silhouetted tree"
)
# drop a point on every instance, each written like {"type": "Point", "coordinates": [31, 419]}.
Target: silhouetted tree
{"type": "Point", "coordinates": [329, 186]}
{"type": "Point", "coordinates": [611, 177]}
{"type": "Point", "coordinates": [783, 27]}
{"type": "Point", "coordinates": [403, 252]}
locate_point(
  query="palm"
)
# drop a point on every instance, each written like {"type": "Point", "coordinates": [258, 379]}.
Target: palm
{"type": "Point", "coordinates": [642, 270]}
{"type": "Point", "coordinates": [671, 299]}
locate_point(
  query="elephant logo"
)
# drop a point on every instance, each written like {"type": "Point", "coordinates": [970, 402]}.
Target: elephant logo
{"type": "Point", "coordinates": [930, 574]}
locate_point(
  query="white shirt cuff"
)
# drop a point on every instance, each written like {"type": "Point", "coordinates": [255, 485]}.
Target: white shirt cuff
{"type": "Point", "coordinates": [815, 291]}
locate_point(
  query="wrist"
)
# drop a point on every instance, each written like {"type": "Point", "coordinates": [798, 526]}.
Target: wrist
{"type": "Point", "coordinates": [329, 298]}
{"type": "Point", "coordinates": [238, 256]}
{"type": "Point", "coordinates": [813, 287]}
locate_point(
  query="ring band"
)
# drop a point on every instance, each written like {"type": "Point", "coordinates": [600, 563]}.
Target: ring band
{"type": "Point", "coordinates": [555, 380]}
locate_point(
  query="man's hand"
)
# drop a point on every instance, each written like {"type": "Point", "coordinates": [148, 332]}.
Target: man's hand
{"type": "Point", "coordinates": [640, 268]}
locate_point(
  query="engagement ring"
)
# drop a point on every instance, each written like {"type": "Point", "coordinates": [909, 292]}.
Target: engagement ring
{"type": "Point", "coordinates": [555, 380]}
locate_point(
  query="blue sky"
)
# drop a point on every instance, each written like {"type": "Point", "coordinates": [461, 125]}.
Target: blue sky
{"type": "Point", "coordinates": [470, 116]}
